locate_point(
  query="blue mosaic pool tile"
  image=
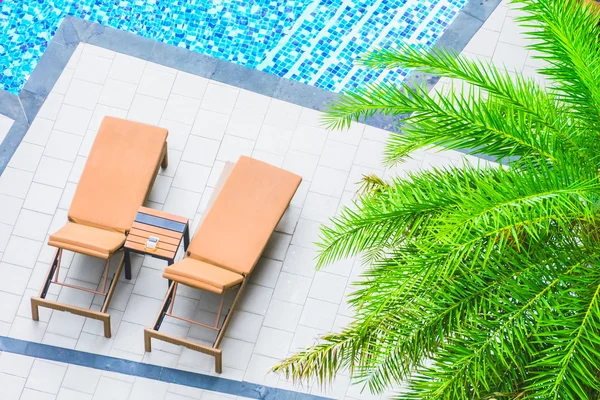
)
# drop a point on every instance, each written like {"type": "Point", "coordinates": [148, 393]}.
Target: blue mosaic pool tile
{"type": "Point", "coordinates": [309, 41]}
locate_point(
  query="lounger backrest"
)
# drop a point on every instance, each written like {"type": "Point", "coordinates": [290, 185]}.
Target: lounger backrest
{"type": "Point", "coordinates": [118, 174]}
{"type": "Point", "coordinates": [245, 213]}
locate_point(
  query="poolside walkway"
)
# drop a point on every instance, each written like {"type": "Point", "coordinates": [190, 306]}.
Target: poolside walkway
{"type": "Point", "coordinates": [286, 306]}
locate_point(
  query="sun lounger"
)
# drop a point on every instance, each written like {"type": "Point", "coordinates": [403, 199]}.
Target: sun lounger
{"type": "Point", "coordinates": [116, 179]}
{"type": "Point", "coordinates": [249, 201]}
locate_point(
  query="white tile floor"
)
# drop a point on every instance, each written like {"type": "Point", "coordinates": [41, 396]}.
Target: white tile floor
{"type": "Point", "coordinates": [27, 378]}
{"type": "Point", "coordinates": [287, 304]}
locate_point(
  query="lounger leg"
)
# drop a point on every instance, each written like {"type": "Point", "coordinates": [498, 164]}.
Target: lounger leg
{"type": "Point", "coordinates": [147, 341]}
{"type": "Point", "coordinates": [35, 311]}
{"type": "Point", "coordinates": [218, 362]}
{"type": "Point", "coordinates": [53, 270]}
{"type": "Point", "coordinates": [165, 161]}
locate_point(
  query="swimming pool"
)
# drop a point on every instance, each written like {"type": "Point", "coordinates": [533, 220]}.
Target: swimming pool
{"type": "Point", "coordinates": [310, 41]}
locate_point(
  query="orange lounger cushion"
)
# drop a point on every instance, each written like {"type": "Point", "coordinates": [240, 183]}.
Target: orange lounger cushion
{"type": "Point", "coordinates": [87, 240]}
{"type": "Point", "coordinates": [202, 275]}
{"type": "Point", "coordinates": [118, 174]}
{"type": "Point", "coordinates": [245, 213]}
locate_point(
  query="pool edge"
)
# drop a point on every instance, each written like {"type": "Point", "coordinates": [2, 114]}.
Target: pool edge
{"type": "Point", "coordinates": [72, 31]}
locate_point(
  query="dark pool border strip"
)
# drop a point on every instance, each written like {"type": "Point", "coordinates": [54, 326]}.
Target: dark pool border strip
{"type": "Point", "coordinates": [24, 107]}
{"type": "Point", "coordinates": [149, 371]}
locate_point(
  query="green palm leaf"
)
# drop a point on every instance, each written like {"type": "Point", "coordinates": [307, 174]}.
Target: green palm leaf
{"type": "Point", "coordinates": [482, 282]}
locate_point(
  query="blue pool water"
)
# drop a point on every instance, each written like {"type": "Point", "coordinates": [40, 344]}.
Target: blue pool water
{"type": "Point", "coordinates": [310, 41]}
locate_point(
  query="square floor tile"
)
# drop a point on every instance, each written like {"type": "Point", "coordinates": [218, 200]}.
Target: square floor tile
{"type": "Point", "coordinates": [10, 209]}
{"type": "Point", "coordinates": [236, 353]}
{"type": "Point", "coordinates": [147, 389]}
{"type": "Point", "coordinates": [219, 98]}
{"type": "Point", "coordinates": [301, 261]}
{"type": "Point", "coordinates": [328, 287]}
{"type": "Point", "coordinates": [92, 68]}
{"type": "Point", "coordinates": [307, 233]}
{"type": "Point", "coordinates": [318, 314]}
{"type": "Point", "coordinates": [127, 69]}
{"type": "Point", "coordinates": [282, 114]}
{"type": "Point", "coordinates": [53, 172]}
{"type": "Point", "coordinates": [277, 246]}
{"type": "Point", "coordinates": [274, 140]}
{"type": "Point", "coordinates": [189, 85]}
{"type": "Point", "coordinates": [39, 131]}
{"type": "Point", "coordinates": [81, 379]}
{"type": "Point", "coordinates": [83, 94]}
{"type": "Point", "coordinates": [112, 389]}
{"type": "Point", "coordinates": [66, 324]}
{"type": "Point", "coordinates": [292, 288]}
{"type": "Point", "coordinates": [45, 376]}
{"type": "Point", "coordinates": [245, 123]}
{"type": "Point", "coordinates": [201, 150]}
{"type": "Point", "coordinates": [26, 157]}
{"type": "Point", "coordinates": [182, 202]}
{"type": "Point", "coordinates": [190, 176]}
{"type": "Point", "coordinates": [15, 182]}
{"type": "Point", "coordinates": [15, 364]}
{"type": "Point", "coordinates": [72, 119]}
{"type": "Point", "coordinates": [318, 207]}
{"type": "Point", "coordinates": [11, 386]}
{"type": "Point", "coordinates": [128, 337]}
{"type": "Point", "coordinates": [64, 146]}
{"type": "Point", "coordinates": [146, 109]}
{"type": "Point", "coordinates": [300, 163]}
{"type": "Point", "coordinates": [233, 147]}
{"type": "Point", "coordinates": [244, 326]}
{"type": "Point", "coordinates": [156, 83]}
{"type": "Point", "coordinates": [376, 134]}
{"type": "Point", "coordinates": [329, 181]}
{"type": "Point", "coordinates": [210, 124]}
{"type": "Point", "coordinates": [32, 225]}
{"type": "Point", "coordinates": [370, 154]}
{"type": "Point", "coordinates": [5, 232]}
{"type": "Point", "coordinates": [351, 136]}
{"type": "Point", "coordinates": [68, 394]}
{"type": "Point", "coordinates": [308, 139]}
{"type": "Point", "coordinates": [266, 272]}
{"type": "Point", "coordinates": [338, 155]}
{"type": "Point", "coordinates": [181, 109]}
{"type": "Point", "coordinates": [255, 299]}
{"type": "Point", "coordinates": [273, 343]}
{"type": "Point", "coordinates": [117, 94]}
{"type": "Point", "coordinates": [178, 134]}
{"type": "Point", "coordinates": [251, 101]}
{"type": "Point", "coordinates": [283, 315]}
{"type": "Point", "coordinates": [51, 106]}
{"type": "Point", "coordinates": [160, 190]}
{"type": "Point", "coordinates": [42, 198]}
{"type": "Point", "coordinates": [22, 251]}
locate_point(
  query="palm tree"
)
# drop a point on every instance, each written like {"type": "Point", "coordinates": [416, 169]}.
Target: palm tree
{"type": "Point", "coordinates": [483, 282]}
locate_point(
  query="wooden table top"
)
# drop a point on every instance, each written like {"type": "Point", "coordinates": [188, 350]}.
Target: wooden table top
{"type": "Point", "coordinates": [167, 227]}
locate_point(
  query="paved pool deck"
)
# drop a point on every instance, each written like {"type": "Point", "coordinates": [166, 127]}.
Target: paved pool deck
{"type": "Point", "coordinates": [287, 305]}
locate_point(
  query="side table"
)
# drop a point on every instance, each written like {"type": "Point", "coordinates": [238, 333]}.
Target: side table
{"type": "Point", "coordinates": [168, 228]}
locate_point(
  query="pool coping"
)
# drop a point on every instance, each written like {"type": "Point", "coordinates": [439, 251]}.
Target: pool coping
{"type": "Point", "coordinates": [24, 107]}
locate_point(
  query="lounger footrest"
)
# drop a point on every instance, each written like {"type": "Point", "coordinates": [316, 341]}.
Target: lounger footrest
{"type": "Point", "coordinates": [202, 275]}
{"type": "Point", "coordinates": [88, 240]}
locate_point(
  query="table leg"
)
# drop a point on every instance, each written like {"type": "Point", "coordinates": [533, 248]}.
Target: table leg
{"type": "Point", "coordinates": [127, 265]}
{"type": "Point", "coordinates": [186, 237]}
